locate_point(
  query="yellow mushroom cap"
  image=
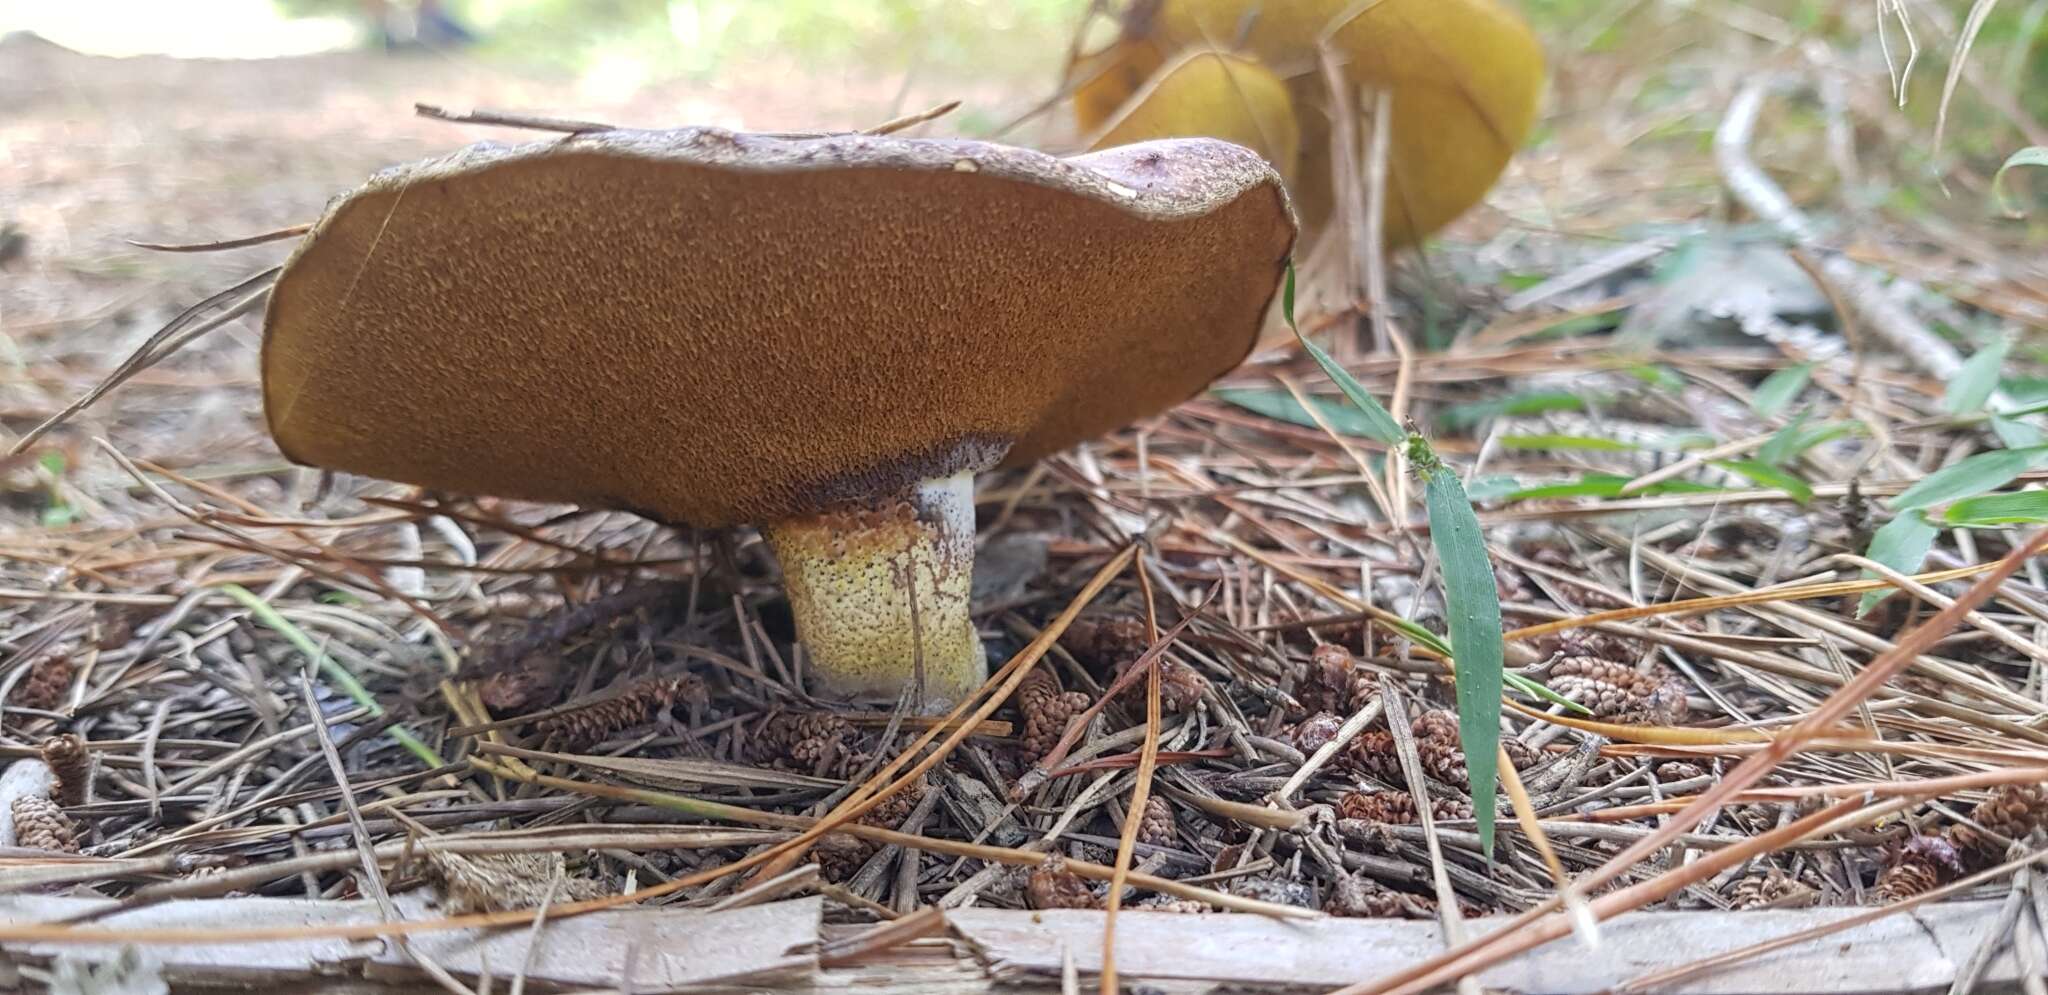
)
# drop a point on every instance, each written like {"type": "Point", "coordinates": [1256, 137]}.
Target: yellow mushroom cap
{"type": "Point", "coordinates": [1216, 95]}
{"type": "Point", "coordinates": [1103, 81]}
{"type": "Point", "coordinates": [1464, 78]}
{"type": "Point", "coordinates": [718, 328]}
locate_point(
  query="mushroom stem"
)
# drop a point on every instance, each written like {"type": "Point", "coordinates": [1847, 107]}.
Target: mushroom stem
{"type": "Point", "coordinates": [880, 594]}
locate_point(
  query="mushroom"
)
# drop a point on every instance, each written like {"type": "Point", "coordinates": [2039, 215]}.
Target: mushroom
{"type": "Point", "coordinates": [1215, 95]}
{"type": "Point", "coordinates": [1463, 78]}
{"type": "Point", "coordinates": [824, 336]}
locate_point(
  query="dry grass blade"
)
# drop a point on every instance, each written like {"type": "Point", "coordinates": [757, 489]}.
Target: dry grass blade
{"type": "Point", "coordinates": [244, 242]}
{"type": "Point", "coordinates": [1141, 789]}
{"type": "Point", "coordinates": [233, 302]}
{"type": "Point", "coordinates": [1532, 825]}
{"type": "Point", "coordinates": [504, 120]}
{"type": "Point", "coordinates": [913, 120]}
{"type": "Point", "coordinates": [1980, 10]}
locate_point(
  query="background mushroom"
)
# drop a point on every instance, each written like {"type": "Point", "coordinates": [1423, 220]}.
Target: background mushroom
{"type": "Point", "coordinates": [823, 336]}
{"type": "Point", "coordinates": [1463, 78]}
{"type": "Point", "coordinates": [1216, 95]}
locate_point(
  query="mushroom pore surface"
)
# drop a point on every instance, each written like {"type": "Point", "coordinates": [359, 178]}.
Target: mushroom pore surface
{"type": "Point", "coordinates": [717, 329]}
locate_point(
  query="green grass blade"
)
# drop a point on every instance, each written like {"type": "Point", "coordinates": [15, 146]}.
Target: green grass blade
{"type": "Point", "coordinates": [1422, 637]}
{"type": "Point", "coordinates": [1380, 426]}
{"type": "Point", "coordinates": [1280, 405]}
{"type": "Point", "coordinates": [1462, 416]}
{"type": "Point", "coordinates": [1605, 485]}
{"type": "Point", "coordinates": [1473, 605]}
{"type": "Point", "coordinates": [2017, 434]}
{"type": "Point", "coordinates": [2017, 508]}
{"type": "Point", "coordinates": [1492, 487]}
{"type": "Point", "coordinates": [1766, 475]}
{"type": "Point", "coordinates": [2032, 155]}
{"type": "Point", "coordinates": [1780, 388]}
{"type": "Point", "coordinates": [1977, 475]}
{"type": "Point", "coordinates": [330, 669]}
{"type": "Point", "coordinates": [1901, 545]}
{"type": "Point", "coordinates": [1792, 441]}
{"type": "Point", "coordinates": [1974, 383]}
{"type": "Point", "coordinates": [1553, 441]}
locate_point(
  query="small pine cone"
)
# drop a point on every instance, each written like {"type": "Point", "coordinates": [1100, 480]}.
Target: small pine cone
{"type": "Point", "coordinates": [1437, 723]}
{"type": "Point", "coordinates": [1373, 750]}
{"type": "Point", "coordinates": [1397, 807]}
{"type": "Point", "coordinates": [529, 685]}
{"type": "Point", "coordinates": [1521, 754]}
{"type": "Point", "coordinates": [1904, 880]}
{"type": "Point", "coordinates": [503, 881]}
{"type": "Point", "coordinates": [1334, 683]}
{"type": "Point", "coordinates": [2014, 811]}
{"type": "Point", "coordinates": [1442, 758]}
{"type": "Point", "coordinates": [897, 807]}
{"type": "Point", "coordinates": [40, 825]}
{"type": "Point", "coordinates": [1604, 686]}
{"type": "Point", "coordinates": [1359, 897]}
{"type": "Point", "coordinates": [1618, 692]}
{"type": "Point", "coordinates": [840, 855]}
{"type": "Point", "coordinates": [1052, 886]}
{"type": "Point", "coordinates": [816, 744]}
{"type": "Point", "coordinates": [1047, 711]}
{"type": "Point", "coordinates": [1664, 703]}
{"type": "Point", "coordinates": [636, 704]}
{"type": "Point", "coordinates": [1325, 685]}
{"type": "Point", "coordinates": [1578, 642]}
{"type": "Point", "coordinates": [1105, 640]}
{"type": "Point", "coordinates": [1386, 807]}
{"type": "Point", "coordinates": [1921, 864]}
{"type": "Point", "coordinates": [1436, 746]}
{"type": "Point", "coordinates": [46, 683]}
{"type": "Point", "coordinates": [1679, 770]}
{"type": "Point", "coordinates": [1180, 686]}
{"type": "Point", "coordinates": [1752, 890]}
{"type": "Point", "coordinates": [72, 763]}
{"type": "Point", "coordinates": [660, 694]}
{"type": "Point", "coordinates": [1771, 888]}
{"type": "Point", "coordinates": [1159, 824]}
{"type": "Point", "coordinates": [1168, 903]}
{"type": "Point", "coordinates": [1038, 687]}
{"type": "Point", "coordinates": [1312, 733]}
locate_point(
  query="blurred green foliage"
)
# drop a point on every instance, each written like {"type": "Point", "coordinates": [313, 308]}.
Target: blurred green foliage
{"type": "Point", "coordinates": [699, 37]}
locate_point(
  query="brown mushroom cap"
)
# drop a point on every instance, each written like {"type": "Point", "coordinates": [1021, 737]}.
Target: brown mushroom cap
{"type": "Point", "coordinates": [716, 328]}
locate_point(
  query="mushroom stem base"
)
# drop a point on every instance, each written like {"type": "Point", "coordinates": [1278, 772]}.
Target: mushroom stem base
{"type": "Point", "coordinates": [880, 595]}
